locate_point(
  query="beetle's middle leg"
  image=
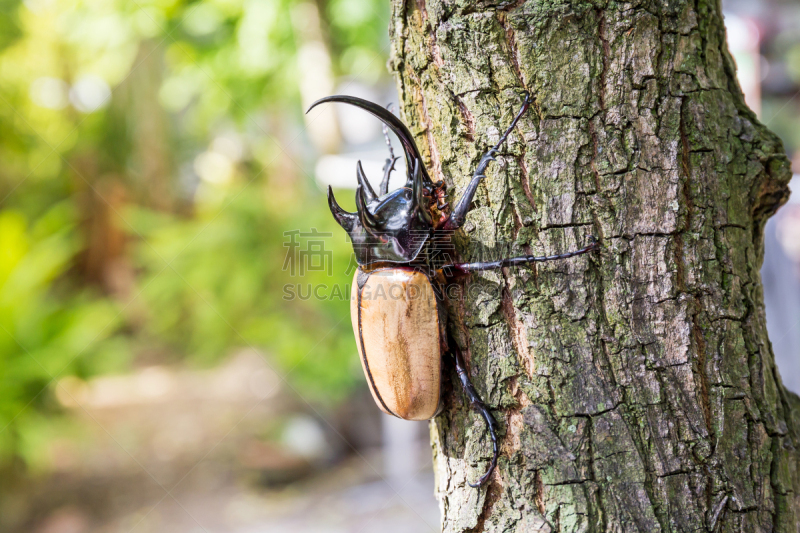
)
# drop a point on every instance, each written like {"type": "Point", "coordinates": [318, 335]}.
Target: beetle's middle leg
{"type": "Point", "coordinates": [463, 268]}
{"type": "Point", "coordinates": [476, 402]}
{"type": "Point", "coordinates": [459, 214]}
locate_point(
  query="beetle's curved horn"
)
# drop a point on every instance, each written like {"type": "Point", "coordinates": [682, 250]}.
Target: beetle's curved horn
{"type": "Point", "coordinates": [367, 219]}
{"type": "Point", "coordinates": [418, 188]}
{"type": "Point", "coordinates": [346, 220]}
{"type": "Point", "coordinates": [394, 124]}
{"type": "Point", "coordinates": [365, 186]}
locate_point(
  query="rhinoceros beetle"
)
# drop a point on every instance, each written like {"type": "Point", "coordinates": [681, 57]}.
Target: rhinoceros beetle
{"type": "Point", "coordinates": [396, 307]}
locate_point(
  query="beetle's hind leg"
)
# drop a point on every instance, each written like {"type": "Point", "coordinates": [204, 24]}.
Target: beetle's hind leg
{"type": "Point", "coordinates": [459, 214]}
{"type": "Point", "coordinates": [388, 166]}
{"type": "Point", "coordinates": [476, 402]}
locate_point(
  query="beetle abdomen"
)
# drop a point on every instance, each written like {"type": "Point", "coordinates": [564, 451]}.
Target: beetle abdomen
{"type": "Point", "coordinates": [396, 325]}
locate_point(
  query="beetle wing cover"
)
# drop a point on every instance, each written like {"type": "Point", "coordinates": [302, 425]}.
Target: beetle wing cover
{"type": "Point", "coordinates": [396, 323]}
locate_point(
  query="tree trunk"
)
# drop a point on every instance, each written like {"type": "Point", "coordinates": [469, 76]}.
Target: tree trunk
{"type": "Point", "coordinates": [635, 387]}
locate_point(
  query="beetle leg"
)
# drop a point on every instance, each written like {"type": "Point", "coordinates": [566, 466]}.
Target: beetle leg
{"type": "Point", "coordinates": [388, 166]}
{"type": "Point", "coordinates": [454, 269]}
{"type": "Point", "coordinates": [459, 214]}
{"type": "Point", "coordinates": [476, 402]}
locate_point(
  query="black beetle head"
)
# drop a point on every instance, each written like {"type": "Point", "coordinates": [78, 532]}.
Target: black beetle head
{"type": "Point", "coordinates": [394, 227]}
{"type": "Point", "coordinates": [391, 228]}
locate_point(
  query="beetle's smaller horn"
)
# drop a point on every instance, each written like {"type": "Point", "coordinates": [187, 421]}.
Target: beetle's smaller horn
{"type": "Point", "coordinates": [365, 186]}
{"type": "Point", "coordinates": [418, 188]}
{"type": "Point", "coordinates": [367, 218]}
{"type": "Point", "coordinates": [346, 220]}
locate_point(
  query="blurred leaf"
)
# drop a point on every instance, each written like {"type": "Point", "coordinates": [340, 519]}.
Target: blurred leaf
{"type": "Point", "coordinates": [153, 222]}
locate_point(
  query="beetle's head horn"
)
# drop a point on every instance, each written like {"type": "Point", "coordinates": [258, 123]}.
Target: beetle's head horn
{"type": "Point", "coordinates": [366, 218]}
{"type": "Point", "coordinates": [419, 189]}
{"type": "Point", "coordinates": [369, 192]}
{"type": "Point", "coordinates": [345, 219]}
{"type": "Point", "coordinates": [394, 227]}
{"type": "Point", "coordinates": [394, 124]}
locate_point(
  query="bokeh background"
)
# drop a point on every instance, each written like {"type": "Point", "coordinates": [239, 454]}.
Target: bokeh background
{"type": "Point", "coordinates": [163, 366]}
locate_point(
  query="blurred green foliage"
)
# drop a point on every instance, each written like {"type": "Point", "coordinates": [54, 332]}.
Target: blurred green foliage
{"type": "Point", "coordinates": [153, 156]}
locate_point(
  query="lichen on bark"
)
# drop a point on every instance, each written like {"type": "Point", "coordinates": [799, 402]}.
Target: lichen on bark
{"type": "Point", "coordinates": [636, 388]}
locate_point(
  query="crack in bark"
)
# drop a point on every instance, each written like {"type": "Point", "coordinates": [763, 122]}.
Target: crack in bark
{"type": "Point", "coordinates": [601, 30]}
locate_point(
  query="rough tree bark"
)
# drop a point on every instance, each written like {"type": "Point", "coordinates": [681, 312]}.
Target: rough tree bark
{"type": "Point", "coordinates": [636, 388]}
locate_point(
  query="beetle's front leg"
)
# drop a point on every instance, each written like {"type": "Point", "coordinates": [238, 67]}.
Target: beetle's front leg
{"type": "Point", "coordinates": [388, 166]}
{"type": "Point", "coordinates": [476, 402]}
{"type": "Point", "coordinates": [459, 214]}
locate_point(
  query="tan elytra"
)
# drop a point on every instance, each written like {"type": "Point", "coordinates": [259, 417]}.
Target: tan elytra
{"type": "Point", "coordinates": [396, 325]}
